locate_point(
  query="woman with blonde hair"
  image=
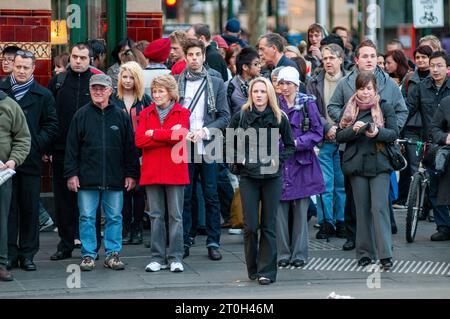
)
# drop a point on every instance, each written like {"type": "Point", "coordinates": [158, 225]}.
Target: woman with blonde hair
{"type": "Point", "coordinates": [131, 98]}
{"type": "Point", "coordinates": [260, 170]}
{"type": "Point", "coordinates": [164, 172]}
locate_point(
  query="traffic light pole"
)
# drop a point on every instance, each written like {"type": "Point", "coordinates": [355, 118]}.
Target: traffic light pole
{"type": "Point", "coordinates": [321, 12]}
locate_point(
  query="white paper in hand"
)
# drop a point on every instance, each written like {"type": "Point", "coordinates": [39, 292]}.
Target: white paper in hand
{"type": "Point", "coordinates": [5, 174]}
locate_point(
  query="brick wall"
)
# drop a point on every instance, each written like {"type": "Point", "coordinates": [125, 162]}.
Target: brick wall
{"type": "Point", "coordinates": [144, 26]}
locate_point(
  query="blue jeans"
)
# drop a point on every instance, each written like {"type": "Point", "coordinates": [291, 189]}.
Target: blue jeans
{"type": "Point", "coordinates": [440, 212]}
{"type": "Point", "coordinates": [208, 174]}
{"type": "Point", "coordinates": [112, 202]}
{"type": "Point", "coordinates": [331, 203]}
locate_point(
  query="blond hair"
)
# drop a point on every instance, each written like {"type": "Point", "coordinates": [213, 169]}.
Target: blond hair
{"type": "Point", "coordinates": [273, 101]}
{"type": "Point", "coordinates": [435, 43]}
{"type": "Point", "coordinates": [167, 82]}
{"type": "Point", "coordinates": [137, 73]}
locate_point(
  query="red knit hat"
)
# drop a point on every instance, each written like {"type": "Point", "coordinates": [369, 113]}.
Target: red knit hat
{"type": "Point", "coordinates": [158, 50]}
{"type": "Point", "coordinates": [221, 43]}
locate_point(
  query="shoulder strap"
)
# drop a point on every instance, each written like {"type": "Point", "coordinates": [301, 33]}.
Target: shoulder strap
{"type": "Point", "coordinates": [305, 125]}
{"type": "Point", "coordinates": [407, 79]}
{"type": "Point", "coordinates": [230, 90]}
{"type": "Point", "coordinates": [60, 78]}
{"type": "Point", "coordinates": [197, 95]}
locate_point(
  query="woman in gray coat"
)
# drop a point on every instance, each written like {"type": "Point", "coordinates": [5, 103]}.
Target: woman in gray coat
{"type": "Point", "coordinates": [367, 125]}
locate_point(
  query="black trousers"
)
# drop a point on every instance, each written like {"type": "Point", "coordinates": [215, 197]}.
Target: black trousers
{"type": "Point", "coordinates": [66, 206]}
{"type": "Point", "coordinates": [23, 221]}
{"type": "Point", "coordinates": [133, 209]}
{"type": "Point", "coordinates": [261, 258]}
{"type": "Point", "coordinates": [350, 210]}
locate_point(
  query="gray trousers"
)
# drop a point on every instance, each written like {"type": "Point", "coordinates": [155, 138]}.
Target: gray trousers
{"type": "Point", "coordinates": [156, 196]}
{"type": "Point", "coordinates": [5, 202]}
{"type": "Point", "coordinates": [295, 247]}
{"type": "Point", "coordinates": [373, 224]}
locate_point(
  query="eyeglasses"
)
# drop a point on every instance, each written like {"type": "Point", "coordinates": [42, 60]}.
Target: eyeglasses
{"type": "Point", "coordinates": [98, 88]}
{"type": "Point", "coordinates": [25, 54]}
{"type": "Point", "coordinates": [7, 60]}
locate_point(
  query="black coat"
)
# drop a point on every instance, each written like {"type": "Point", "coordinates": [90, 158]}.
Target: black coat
{"type": "Point", "coordinates": [100, 148]}
{"type": "Point", "coordinates": [361, 157]}
{"type": "Point", "coordinates": [216, 61]}
{"type": "Point", "coordinates": [70, 97]}
{"type": "Point", "coordinates": [38, 106]}
{"type": "Point", "coordinates": [440, 128]}
{"type": "Point", "coordinates": [257, 120]}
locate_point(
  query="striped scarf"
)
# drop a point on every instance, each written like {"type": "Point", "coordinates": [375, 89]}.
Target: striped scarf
{"type": "Point", "coordinates": [19, 90]}
{"type": "Point", "coordinates": [188, 75]}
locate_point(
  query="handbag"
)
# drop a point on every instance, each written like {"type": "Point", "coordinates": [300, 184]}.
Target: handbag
{"type": "Point", "coordinates": [396, 158]}
{"type": "Point", "coordinates": [235, 168]}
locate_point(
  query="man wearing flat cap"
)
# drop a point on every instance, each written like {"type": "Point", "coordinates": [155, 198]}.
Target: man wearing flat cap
{"type": "Point", "coordinates": [100, 161]}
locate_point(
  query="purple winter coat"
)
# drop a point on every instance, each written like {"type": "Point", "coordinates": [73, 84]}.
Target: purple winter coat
{"type": "Point", "coordinates": [302, 175]}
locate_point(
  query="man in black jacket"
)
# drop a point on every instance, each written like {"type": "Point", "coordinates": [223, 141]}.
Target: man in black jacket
{"type": "Point", "coordinates": [71, 92]}
{"type": "Point", "coordinates": [100, 161]}
{"type": "Point", "coordinates": [38, 106]}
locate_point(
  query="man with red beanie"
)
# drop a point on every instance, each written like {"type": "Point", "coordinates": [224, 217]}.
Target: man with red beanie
{"type": "Point", "coordinates": [157, 53]}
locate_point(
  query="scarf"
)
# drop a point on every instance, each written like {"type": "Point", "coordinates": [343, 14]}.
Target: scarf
{"type": "Point", "coordinates": [19, 90]}
{"type": "Point", "coordinates": [188, 75]}
{"type": "Point", "coordinates": [162, 113]}
{"type": "Point", "coordinates": [243, 85]}
{"type": "Point", "coordinates": [354, 105]}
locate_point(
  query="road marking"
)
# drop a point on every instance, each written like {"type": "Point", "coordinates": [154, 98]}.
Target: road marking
{"type": "Point", "coordinates": [399, 266]}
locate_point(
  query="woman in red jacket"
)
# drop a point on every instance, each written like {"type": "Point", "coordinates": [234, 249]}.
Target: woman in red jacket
{"type": "Point", "coordinates": [164, 172]}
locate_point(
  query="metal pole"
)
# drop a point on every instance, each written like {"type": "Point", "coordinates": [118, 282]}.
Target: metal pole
{"type": "Point", "coordinates": [381, 46]}
{"type": "Point", "coordinates": [321, 12]}
{"type": "Point", "coordinates": [371, 20]}
{"type": "Point", "coordinates": [230, 9]}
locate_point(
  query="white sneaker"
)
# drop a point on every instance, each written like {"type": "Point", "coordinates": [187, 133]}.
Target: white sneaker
{"type": "Point", "coordinates": [235, 231]}
{"type": "Point", "coordinates": [176, 267]}
{"type": "Point", "coordinates": [154, 266]}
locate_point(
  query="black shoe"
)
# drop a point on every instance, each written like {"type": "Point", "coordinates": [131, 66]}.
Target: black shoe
{"type": "Point", "coordinates": [440, 236]}
{"type": "Point", "coordinates": [386, 263]}
{"type": "Point", "coordinates": [126, 238]}
{"type": "Point", "coordinates": [214, 253]}
{"type": "Point", "coordinates": [136, 238]}
{"type": "Point", "coordinates": [264, 281]}
{"type": "Point", "coordinates": [349, 245]}
{"type": "Point", "coordinates": [60, 255]}
{"type": "Point", "coordinates": [186, 252]}
{"type": "Point", "coordinates": [283, 263]}
{"type": "Point", "coordinates": [5, 275]}
{"type": "Point", "coordinates": [340, 230]}
{"type": "Point", "coordinates": [12, 264]}
{"type": "Point", "coordinates": [27, 264]}
{"type": "Point", "coordinates": [253, 276]}
{"type": "Point", "coordinates": [394, 229]}
{"type": "Point", "coordinates": [298, 263]}
{"type": "Point", "coordinates": [326, 230]}
{"type": "Point", "coordinates": [364, 261]}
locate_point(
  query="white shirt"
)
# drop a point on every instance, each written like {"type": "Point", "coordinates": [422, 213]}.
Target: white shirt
{"type": "Point", "coordinates": [196, 117]}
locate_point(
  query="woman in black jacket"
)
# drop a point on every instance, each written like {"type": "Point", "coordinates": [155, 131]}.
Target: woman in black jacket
{"type": "Point", "coordinates": [367, 125]}
{"type": "Point", "coordinates": [260, 170]}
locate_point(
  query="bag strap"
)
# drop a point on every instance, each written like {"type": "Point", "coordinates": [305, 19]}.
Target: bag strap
{"type": "Point", "coordinates": [305, 125]}
{"type": "Point", "coordinates": [197, 95]}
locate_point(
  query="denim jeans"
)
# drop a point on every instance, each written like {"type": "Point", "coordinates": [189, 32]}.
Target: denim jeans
{"type": "Point", "coordinates": [112, 202]}
{"type": "Point", "coordinates": [208, 174]}
{"type": "Point", "coordinates": [331, 203]}
{"type": "Point", "coordinates": [5, 202]}
{"type": "Point", "coordinates": [440, 212]}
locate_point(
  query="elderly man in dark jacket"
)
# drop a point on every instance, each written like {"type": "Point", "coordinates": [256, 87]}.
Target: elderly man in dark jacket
{"type": "Point", "coordinates": [39, 107]}
{"type": "Point", "coordinates": [101, 160]}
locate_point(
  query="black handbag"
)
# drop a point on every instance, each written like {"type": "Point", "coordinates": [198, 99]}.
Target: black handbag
{"type": "Point", "coordinates": [396, 158]}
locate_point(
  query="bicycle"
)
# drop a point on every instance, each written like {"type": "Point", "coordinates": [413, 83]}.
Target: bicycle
{"type": "Point", "coordinates": [417, 202]}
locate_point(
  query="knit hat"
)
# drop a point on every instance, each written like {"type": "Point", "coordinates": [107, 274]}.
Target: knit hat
{"type": "Point", "coordinates": [221, 43]}
{"type": "Point", "coordinates": [289, 74]}
{"type": "Point", "coordinates": [158, 50]}
{"type": "Point", "coordinates": [233, 25]}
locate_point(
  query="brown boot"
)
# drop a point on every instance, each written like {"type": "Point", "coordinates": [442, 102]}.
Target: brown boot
{"type": "Point", "coordinates": [5, 275]}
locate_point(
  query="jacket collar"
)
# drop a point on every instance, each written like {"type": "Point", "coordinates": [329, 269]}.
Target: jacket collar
{"type": "Point", "coordinates": [176, 108]}
{"type": "Point", "coordinates": [29, 98]}
{"type": "Point", "coordinates": [429, 82]}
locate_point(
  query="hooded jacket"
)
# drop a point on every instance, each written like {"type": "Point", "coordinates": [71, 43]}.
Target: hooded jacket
{"type": "Point", "coordinates": [386, 88]}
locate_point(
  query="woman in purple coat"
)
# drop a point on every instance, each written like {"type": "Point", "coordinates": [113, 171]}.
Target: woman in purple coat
{"type": "Point", "coordinates": [302, 176]}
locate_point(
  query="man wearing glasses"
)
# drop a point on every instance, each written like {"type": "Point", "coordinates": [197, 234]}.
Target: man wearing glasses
{"type": "Point", "coordinates": [38, 106]}
{"type": "Point", "coordinates": [101, 160]}
{"type": "Point", "coordinates": [8, 54]}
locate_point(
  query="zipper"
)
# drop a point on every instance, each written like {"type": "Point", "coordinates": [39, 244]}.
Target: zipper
{"type": "Point", "coordinates": [78, 91]}
{"type": "Point", "coordinates": [103, 151]}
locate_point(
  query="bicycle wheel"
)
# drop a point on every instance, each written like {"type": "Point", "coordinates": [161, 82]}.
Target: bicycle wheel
{"type": "Point", "coordinates": [414, 206]}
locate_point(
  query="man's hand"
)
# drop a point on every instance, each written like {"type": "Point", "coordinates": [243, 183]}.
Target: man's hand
{"type": "Point", "coordinates": [130, 183]}
{"type": "Point", "coordinates": [46, 158]}
{"type": "Point", "coordinates": [331, 134]}
{"type": "Point", "coordinates": [447, 141]}
{"type": "Point", "coordinates": [73, 184]}
{"type": "Point", "coordinates": [195, 136]}
{"type": "Point", "coordinates": [9, 164]}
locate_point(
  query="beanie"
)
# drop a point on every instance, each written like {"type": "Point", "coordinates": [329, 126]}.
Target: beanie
{"type": "Point", "coordinates": [289, 74]}
{"type": "Point", "coordinates": [233, 25]}
{"type": "Point", "coordinates": [158, 50]}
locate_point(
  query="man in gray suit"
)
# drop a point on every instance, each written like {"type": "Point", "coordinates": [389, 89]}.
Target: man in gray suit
{"type": "Point", "coordinates": [204, 96]}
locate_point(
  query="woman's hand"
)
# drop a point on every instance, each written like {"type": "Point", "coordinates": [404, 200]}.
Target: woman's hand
{"type": "Point", "coordinates": [149, 133]}
{"type": "Point", "coordinates": [176, 127]}
{"type": "Point", "coordinates": [357, 126]}
{"type": "Point", "coordinates": [373, 132]}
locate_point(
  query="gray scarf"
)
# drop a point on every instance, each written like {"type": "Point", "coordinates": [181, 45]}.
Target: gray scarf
{"type": "Point", "coordinates": [162, 113]}
{"type": "Point", "coordinates": [188, 75]}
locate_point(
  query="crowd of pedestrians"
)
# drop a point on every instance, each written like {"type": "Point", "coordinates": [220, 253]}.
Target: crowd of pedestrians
{"type": "Point", "coordinates": [180, 126]}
